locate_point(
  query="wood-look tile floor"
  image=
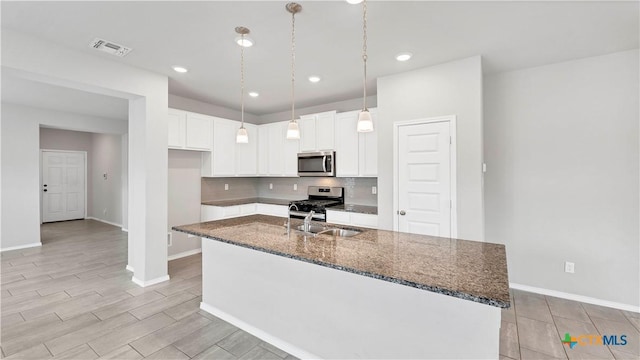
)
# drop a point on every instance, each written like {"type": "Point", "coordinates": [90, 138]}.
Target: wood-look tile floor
{"type": "Point", "coordinates": [73, 299]}
{"type": "Point", "coordinates": [535, 324]}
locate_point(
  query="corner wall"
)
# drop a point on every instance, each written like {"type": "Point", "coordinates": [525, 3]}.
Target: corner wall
{"type": "Point", "coordinates": [453, 88]}
{"type": "Point", "coordinates": [562, 152]}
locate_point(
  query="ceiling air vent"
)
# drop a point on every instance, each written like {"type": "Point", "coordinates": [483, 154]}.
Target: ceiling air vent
{"type": "Point", "coordinates": [109, 47]}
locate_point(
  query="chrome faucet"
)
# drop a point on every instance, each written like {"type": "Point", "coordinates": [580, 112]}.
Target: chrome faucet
{"type": "Point", "coordinates": [289, 218]}
{"type": "Point", "coordinates": [307, 221]}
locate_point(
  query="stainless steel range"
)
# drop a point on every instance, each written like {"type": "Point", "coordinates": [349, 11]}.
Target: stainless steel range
{"type": "Point", "coordinates": [320, 198]}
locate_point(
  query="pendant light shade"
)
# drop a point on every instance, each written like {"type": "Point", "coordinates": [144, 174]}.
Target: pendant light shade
{"type": "Point", "coordinates": [365, 122]}
{"type": "Point", "coordinates": [293, 130]}
{"type": "Point", "coordinates": [242, 137]}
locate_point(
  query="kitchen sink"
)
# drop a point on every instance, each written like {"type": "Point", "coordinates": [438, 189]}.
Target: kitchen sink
{"type": "Point", "coordinates": [319, 230]}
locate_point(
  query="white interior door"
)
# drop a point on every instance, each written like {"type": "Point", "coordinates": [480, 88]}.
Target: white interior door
{"type": "Point", "coordinates": [63, 186]}
{"type": "Point", "coordinates": [424, 179]}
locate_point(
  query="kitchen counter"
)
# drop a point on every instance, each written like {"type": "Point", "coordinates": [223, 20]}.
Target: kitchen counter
{"type": "Point", "coordinates": [377, 295]}
{"type": "Point", "coordinates": [361, 209]}
{"type": "Point", "coordinates": [470, 270]}
{"type": "Point", "coordinates": [258, 200]}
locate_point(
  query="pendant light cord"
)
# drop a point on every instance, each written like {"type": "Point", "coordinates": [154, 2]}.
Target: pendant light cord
{"type": "Point", "coordinates": [364, 52]}
{"type": "Point", "coordinates": [293, 64]}
{"type": "Point", "coordinates": [242, 82]}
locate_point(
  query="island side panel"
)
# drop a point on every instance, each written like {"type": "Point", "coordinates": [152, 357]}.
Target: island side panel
{"type": "Point", "coordinates": [313, 311]}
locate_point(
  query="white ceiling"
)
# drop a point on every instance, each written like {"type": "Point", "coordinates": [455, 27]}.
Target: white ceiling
{"type": "Point", "coordinates": [199, 35]}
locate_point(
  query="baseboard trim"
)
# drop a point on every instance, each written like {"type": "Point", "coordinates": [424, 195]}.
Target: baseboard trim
{"type": "Point", "coordinates": [142, 283]}
{"type": "Point", "coordinates": [129, 268]}
{"type": "Point", "coordinates": [264, 336]}
{"type": "Point", "coordinates": [21, 247]}
{"type": "Point", "coordinates": [575, 297]}
{"type": "Point", "coordinates": [103, 221]}
{"type": "Point", "coordinates": [184, 254]}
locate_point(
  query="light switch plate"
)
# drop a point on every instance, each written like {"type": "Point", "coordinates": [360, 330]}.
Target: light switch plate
{"type": "Point", "coordinates": [226, 186]}
{"type": "Point", "coordinates": [295, 187]}
{"type": "Point", "coordinates": [374, 190]}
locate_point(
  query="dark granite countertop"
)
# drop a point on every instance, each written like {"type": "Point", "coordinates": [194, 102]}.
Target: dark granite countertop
{"type": "Point", "coordinates": [471, 270]}
{"type": "Point", "coordinates": [235, 202]}
{"type": "Point", "coordinates": [362, 209]}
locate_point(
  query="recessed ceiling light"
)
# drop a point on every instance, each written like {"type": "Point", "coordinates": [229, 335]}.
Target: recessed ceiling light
{"type": "Point", "coordinates": [253, 94]}
{"type": "Point", "coordinates": [246, 42]}
{"type": "Point", "coordinates": [314, 78]}
{"type": "Point", "coordinates": [180, 69]}
{"type": "Point", "coordinates": [404, 56]}
{"type": "Point", "coordinates": [353, 2]}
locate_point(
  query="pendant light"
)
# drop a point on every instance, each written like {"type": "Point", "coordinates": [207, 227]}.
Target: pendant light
{"type": "Point", "coordinates": [293, 130]}
{"type": "Point", "coordinates": [242, 137]}
{"type": "Point", "coordinates": [365, 122]}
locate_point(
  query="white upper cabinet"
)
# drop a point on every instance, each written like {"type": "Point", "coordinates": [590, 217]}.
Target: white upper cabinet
{"type": "Point", "coordinates": [199, 132]}
{"type": "Point", "coordinates": [177, 129]}
{"type": "Point", "coordinates": [228, 157]}
{"type": "Point", "coordinates": [356, 153]}
{"type": "Point", "coordinates": [224, 154]}
{"type": "Point", "coordinates": [277, 156]}
{"type": "Point", "coordinates": [263, 150]}
{"type": "Point", "coordinates": [189, 131]}
{"type": "Point", "coordinates": [317, 132]}
{"type": "Point", "coordinates": [276, 149]}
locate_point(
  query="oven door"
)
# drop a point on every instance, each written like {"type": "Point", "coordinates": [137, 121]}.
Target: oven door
{"type": "Point", "coordinates": [317, 164]}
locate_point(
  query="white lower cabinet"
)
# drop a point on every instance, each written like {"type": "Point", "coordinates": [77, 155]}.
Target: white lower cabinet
{"type": "Point", "coordinates": [273, 210]}
{"type": "Point", "coordinates": [210, 213]}
{"type": "Point", "coordinates": [353, 219]}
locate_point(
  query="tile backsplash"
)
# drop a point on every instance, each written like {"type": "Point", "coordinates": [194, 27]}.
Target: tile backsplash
{"type": "Point", "coordinates": [357, 190]}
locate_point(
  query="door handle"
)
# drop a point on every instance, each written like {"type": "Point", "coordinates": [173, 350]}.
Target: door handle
{"type": "Point", "coordinates": [324, 163]}
{"type": "Point", "coordinates": [402, 212]}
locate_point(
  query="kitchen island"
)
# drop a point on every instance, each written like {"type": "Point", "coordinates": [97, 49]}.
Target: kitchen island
{"type": "Point", "coordinates": [379, 294]}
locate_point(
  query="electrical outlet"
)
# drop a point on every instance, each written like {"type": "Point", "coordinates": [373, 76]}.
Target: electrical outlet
{"type": "Point", "coordinates": [226, 186]}
{"type": "Point", "coordinates": [569, 267]}
{"type": "Point", "coordinates": [295, 187]}
{"type": "Point", "coordinates": [484, 167]}
{"type": "Point", "coordinates": [169, 239]}
{"type": "Point", "coordinates": [374, 190]}
{"type": "Point", "coordinates": [270, 186]}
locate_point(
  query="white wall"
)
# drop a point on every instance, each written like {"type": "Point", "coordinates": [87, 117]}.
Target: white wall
{"type": "Point", "coordinates": [39, 60]}
{"type": "Point", "coordinates": [339, 106]}
{"type": "Point", "coordinates": [20, 180]}
{"type": "Point", "coordinates": [182, 103]}
{"type": "Point", "coordinates": [106, 158]}
{"type": "Point", "coordinates": [184, 197]}
{"type": "Point", "coordinates": [21, 164]}
{"type": "Point", "coordinates": [562, 181]}
{"type": "Point", "coordinates": [454, 88]}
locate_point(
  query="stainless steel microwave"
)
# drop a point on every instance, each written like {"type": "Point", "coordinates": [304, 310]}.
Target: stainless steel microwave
{"type": "Point", "coordinates": [317, 163]}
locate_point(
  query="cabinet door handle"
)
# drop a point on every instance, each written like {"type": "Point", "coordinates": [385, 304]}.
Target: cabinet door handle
{"type": "Point", "coordinates": [402, 212]}
{"type": "Point", "coordinates": [45, 190]}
